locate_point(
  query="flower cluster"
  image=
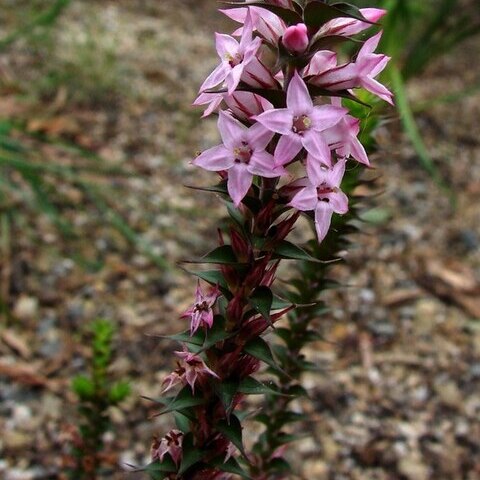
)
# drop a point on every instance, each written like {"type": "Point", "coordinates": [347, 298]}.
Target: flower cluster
{"type": "Point", "coordinates": [286, 140]}
{"type": "Point", "coordinates": [260, 140]}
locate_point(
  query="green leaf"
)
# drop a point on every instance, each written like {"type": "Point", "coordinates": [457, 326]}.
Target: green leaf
{"type": "Point", "coordinates": [251, 386]}
{"type": "Point", "coordinates": [214, 277]}
{"type": "Point", "coordinates": [261, 300]}
{"type": "Point", "coordinates": [217, 333]}
{"type": "Point", "coordinates": [119, 392]}
{"type": "Point", "coordinates": [185, 399]}
{"type": "Point", "coordinates": [226, 391]}
{"type": "Point", "coordinates": [317, 13]}
{"type": "Point", "coordinates": [157, 470]}
{"type": "Point", "coordinates": [232, 430]}
{"type": "Point", "coordinates": [259, 348]}
{"type": "Point", "coordinates": [289, 16]}
{"type": "Point", "coordinates": [222, 255]}
{"type": "Point", "coordinates": [182, 422]}
{"type": "Point", "coordinates": [191, 455]}
{"type": "Point", "coordinates": [83, 387]}
{"type": "Point", "coordinates": [197, 339]}
{"type": "Point", "coordinates": [279, 303]}
{"type": "Point", "coordinates": [232, 466]}
{"type": "Point", "coordinates": [290, 251]}
{"type": "Point", "coordinates": [412, 131]}
{"type": "Point", "coordinates": [219, 188]}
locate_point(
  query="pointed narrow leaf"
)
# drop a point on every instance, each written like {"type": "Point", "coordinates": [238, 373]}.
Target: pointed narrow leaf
{"type": "Point", "coordinates": [217, 333]}
{"type": "Point", "coordinates": [279, 303]}
{"type": "Point", "coordinates": [191, 455]}
{"type": "Point", "coordinates": [184, 399]}
{"type": "Point", "coordinates": [259, 348]}
{"type": "Point", "coordinates": [233, 431]}
{"type": "Point", "coordinates": [226, 391]}
{"type": "Point", "coordinates": [251, 386]}
{"type": "Point", "coordinates": [290, 251]}
{"type": "Point", "coordinates": [214, 277]}
{"type": "Point", "coordinates": [219, 188]}
{"type": "Point", "coordinates": [185, 337]}
{"type": "Point", "coordinates": [182, 421]}
{"type": "Point", "coordinates": [157, 470]}
{"type": "Point", "coordinates": [232, 466]}
{"type": "Point", "coordinates": [261, 300]}
{"type": "Point", "coordinates": [222, 255]}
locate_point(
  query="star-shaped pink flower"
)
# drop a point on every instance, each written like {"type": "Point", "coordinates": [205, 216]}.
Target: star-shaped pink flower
{"type": "Point", "coordinates": [321, 193]}
{"type": "Point", "coordinates": [235, 57]}
{"type": "Point", "coordinates": [242, 154]}
{"type": "Point", "coordinates": [360, 73]}
{"type": "Point", "coordinates": [201, 312]}
{"type": "Point", "coordinates": [301, 124]}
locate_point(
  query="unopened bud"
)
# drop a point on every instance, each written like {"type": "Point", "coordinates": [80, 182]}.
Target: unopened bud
{"type": "Point", "coordinates": [295, 38]}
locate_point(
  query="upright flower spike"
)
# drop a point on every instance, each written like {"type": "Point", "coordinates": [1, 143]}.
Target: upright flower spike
{"type": "Point", "coordinates": [260, 139]}
{"type": "Point", "coordinates": [321, 193]}
{"type": "Point", "coordinates": [360, 73]}
{"type": "Point", "coordinates": [242, 154]}
{"type": "Point", "coordinates": [235, 57]}
{"type": "Point", "coordinates": [301, 124]}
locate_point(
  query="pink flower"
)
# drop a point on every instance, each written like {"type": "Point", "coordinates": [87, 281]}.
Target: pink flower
{"type": "Point", "coordinates": [201, 312]}
{"type": "Point", "coordinates": [347, 27]}
{"type": "Point", "coordinates": [266, 23]}
{"type": "Point", "coordinates": [322, 194]}
{"type": "Point", "coordinates": [321, 62]}
{"type": "Point", "coordinates": [360, 73]}
{"type": "Point", "coordinates": [295, 39]}
{"type": "Point", "coordinates": [171, 443]}
{"type": "Point", "coordinates": [235, 57]}
{"type": "Point", "coordinates": [212, 100]}
{"type": "Point", "coordinates": [245, 105]}
{"type": "Point", "coordinates": [342, 137]}
{"type": "Point", "coordinates": [242, 154]}
{"type": "Point", "coordinates": [300, 124]}
{"type": "Point", "coordinates": [192, 369]}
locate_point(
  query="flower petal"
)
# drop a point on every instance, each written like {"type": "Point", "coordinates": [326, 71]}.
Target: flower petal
{"type": "Point", "coordinates": [339, 202]}
{"type": "Point", "coordinates": [298, 97]}
{"type": "Point", "coordinates": [239, 182]}
{"type": "Point", "coordinates": [357, 151]}
{"type": "Point", "coordinates": [215, 159]}
{"type": "Point", "coordinates": [226, 46]}
{"type": "Point", "coordinates": [231, 130]}
{"type": "Point", "coordinates": [233, 77]}
{"type": "Point", "coordinates": [287, 149]}
{"type": "Point", "coordinates": [215, 78]}
{"type": "Point", "coordinates": [377, 89]}
{"type": "Point", "coordinates": [316, 145]}
{"type": "Point", "coordinates": [326, 116]}
{"type": "Point", "coordinates": [316, 171]}
{"type": "Point", "coordinates": [279, 120]}
{"type": "Point", "coordinates": [335, 175]}
{"type": "Point", "coordinates": [305, 200]}
{"type": "Point", "coordinates": [259, 137]}
{"type": "Point", "coordinates": [262, 163]}
{"type": "Point", "coordinates": [323, 219]}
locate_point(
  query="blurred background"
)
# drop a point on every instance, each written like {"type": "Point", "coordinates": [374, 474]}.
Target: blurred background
{"type": "Point", "coordinates": [96, 135]}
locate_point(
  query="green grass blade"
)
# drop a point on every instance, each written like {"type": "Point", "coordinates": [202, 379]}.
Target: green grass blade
{"type": "Point", "coordinates": [411, 128]}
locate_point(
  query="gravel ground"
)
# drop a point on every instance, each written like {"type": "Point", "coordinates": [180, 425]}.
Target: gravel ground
{"type": "Point", "coordinates": [400, 394]}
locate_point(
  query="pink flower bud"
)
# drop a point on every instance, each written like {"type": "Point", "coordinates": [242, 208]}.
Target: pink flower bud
{"type": "Point", "coordinates": [295, 38]}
